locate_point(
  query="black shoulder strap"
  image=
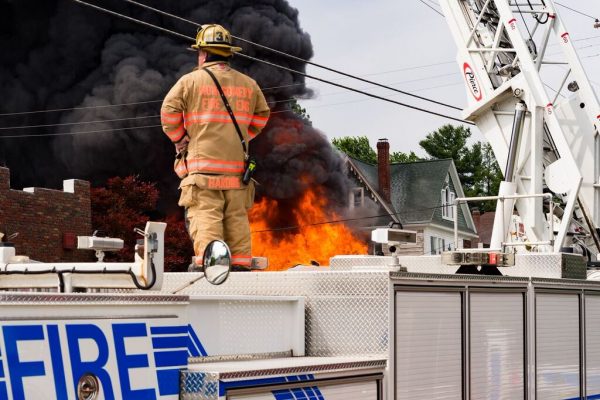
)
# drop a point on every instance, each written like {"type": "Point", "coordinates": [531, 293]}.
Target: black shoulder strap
{"type": "Point", "coordinates": [229, 110]}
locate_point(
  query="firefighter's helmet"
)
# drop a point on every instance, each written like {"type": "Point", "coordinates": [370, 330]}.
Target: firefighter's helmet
{"type": "Point", "coordinates": [215, 39]}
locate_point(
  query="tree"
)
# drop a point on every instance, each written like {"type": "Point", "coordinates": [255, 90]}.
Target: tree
{"type": "Point", "coordinates": [399, 157]}
{"type": "Point", "coordinates": [300, 111]}
{"type": "Point", "coordinates": [451, 142]}
{"type": "Point", "coordinates": [487, 176]}
{"type": "Point", "coordinates": [356, 147]}
{"type": "Point", "coordinates": [359, 148]}
{"type": "Point", "coordinates": [477, 167]}
{"type": "Point", "coordinates": [127, 203]}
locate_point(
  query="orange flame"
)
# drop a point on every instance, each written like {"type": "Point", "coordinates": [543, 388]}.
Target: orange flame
{"type": "Point", "coordinates": [313, 239]}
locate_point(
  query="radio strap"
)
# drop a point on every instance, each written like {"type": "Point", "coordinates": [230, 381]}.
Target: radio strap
{"type": "Point", "coordinates": [230, 111]}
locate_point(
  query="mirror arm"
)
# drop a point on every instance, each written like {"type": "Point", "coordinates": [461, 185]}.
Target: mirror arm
{"type": "Point", "coordinates": [187, 285]}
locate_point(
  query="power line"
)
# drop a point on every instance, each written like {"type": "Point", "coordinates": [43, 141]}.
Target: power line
{"type": "Point", "coordinates": [76, 123]}
{"type": "Point", "coordinates": [78, 108]}
{"type": "Point", "coordinates": [156, 116]}
{"type": "Point", "coordinates": [574, 10]}
{"type": "Point", "coordinates": [294, 57]}
{"type": "Point", "coordinates": [79, 132]}
{"type": "Point", "coordinates": [363, 92]}
{"type": "Point", "coordinates": [430, 6]}
{"type": "Point", "coordinates": [282, 67]}
{"type": "Point", "coordinates": [17, 113]}
{"type": "Point", "coordinates": [362, 100]}
{"type": "Point", "coordinates": [339, 221]}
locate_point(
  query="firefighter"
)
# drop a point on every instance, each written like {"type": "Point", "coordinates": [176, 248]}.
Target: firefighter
{"type": "Point", "coordinates": [212, 152]}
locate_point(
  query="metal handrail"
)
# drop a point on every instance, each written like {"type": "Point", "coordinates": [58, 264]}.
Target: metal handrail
{"type": "Point", "coordinates": [502, 199]}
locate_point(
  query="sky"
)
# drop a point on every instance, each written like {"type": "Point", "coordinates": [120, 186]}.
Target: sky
{"type": "Point", "coordinates": [406, 45]}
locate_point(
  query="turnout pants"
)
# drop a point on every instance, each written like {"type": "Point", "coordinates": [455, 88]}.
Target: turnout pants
{"type": "Point", "coordinates": [219, 214]}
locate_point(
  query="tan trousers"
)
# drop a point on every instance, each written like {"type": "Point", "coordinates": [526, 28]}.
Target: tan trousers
{"type": "Point", "coordinates": [220, 215]}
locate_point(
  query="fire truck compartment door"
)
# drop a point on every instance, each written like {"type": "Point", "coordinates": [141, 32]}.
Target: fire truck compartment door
{"type": "Point", "coordinates": [592, 339]}
{"type": "Point", "coordinates": [557, 350]}
{"type": "Point", "coordinates": [497, 345]}
{"type": "Point", "coordinates": [428, 345]}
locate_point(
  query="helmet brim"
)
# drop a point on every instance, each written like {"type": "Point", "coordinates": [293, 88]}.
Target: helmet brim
{"type": "Point", "coordinates": [225, 47]}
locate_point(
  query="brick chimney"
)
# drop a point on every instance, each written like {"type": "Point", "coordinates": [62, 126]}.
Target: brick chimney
{"type": "Point", "coordinates": [383, 168]}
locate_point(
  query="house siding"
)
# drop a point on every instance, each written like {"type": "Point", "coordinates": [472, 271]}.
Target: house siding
{"type": "Point", "coordinates": [437, 215]}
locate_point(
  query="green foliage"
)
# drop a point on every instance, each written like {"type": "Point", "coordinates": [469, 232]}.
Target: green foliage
{"type": "Point", "coordinates": [400, 157]}
{"type": "Point", "coordinates": [477, 167]}
{"type": "Point", "coordinates": [356, 147]}
{"type": "Point", "coordinates": [299, 110]}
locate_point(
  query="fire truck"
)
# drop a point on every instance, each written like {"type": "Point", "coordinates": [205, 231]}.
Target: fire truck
{"type": "Point", "coordinates": [519, 320]}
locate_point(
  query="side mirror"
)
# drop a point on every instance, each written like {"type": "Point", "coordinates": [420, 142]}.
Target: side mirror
{"type": "Point", "coordinates": [216, 262]}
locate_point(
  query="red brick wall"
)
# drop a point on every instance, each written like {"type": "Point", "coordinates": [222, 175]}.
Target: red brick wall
{"type": "Point", "coordinates": [43, 216]}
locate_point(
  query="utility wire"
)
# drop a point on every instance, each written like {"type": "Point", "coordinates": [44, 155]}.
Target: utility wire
{"type": "Point", "coordinates": [156, 116]}
{"type": "Point", "coordinates": [282, 67]}
{"type": "Point", "coordinates": [281, 53]}
{"type": "Point", "coordinates": [574, 10]}
{"type": "Point", "coordinates": [362, 92]}
{"type": "Point", "coordinates": [79, 132]}
{"type": "Point", "coordinates": [17, 113]}
{"type": "Point", "coordinates": [339, 221]}
{"type": "Point", "coordinates": [76, 123]}
{"type": "Point", "coordinates": [430, 6]}
{"type": "Point", "coordinates": [78, 108]}
{"type": "Point", "coordinates": [290, 99]}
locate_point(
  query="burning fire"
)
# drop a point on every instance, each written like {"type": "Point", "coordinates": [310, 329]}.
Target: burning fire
{"type": "Point", "coordinates": [310, 239]}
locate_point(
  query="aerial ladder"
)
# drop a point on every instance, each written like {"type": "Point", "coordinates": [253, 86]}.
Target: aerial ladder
{"type": "Point", "coordinates": [529, 95]}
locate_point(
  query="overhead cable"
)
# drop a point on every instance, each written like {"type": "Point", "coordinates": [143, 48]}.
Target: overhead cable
{"type": "Point", "coordinates": [343, 220]}
{"type": "Point", "coordinates": [17, 113]}
{"type": "Point", "coordinates": [574, 10]}
{"type": "Point", "coordinates": [77, 108]}
{"type": "Point", "coordinates": [430, 6]}
{"type": "Point", "coordinates": [282, 53]}
{"type": "Point", "coordinates": [282, 67]}
{"type": "Point", "coordinates": [79, 132]}
{"type": "Point", "coordinates": [76, 123]}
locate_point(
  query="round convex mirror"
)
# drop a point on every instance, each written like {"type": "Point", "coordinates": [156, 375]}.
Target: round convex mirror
{"type": "Point", "coordinates": [216, 262]}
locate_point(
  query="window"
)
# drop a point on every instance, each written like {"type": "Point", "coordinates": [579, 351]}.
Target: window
{"type": "Point", "coordinates": [438, 245]}
{"type": "Point", "coordinates": [357, 197]}
{"type": "Point", "coordinates": [448, 197]}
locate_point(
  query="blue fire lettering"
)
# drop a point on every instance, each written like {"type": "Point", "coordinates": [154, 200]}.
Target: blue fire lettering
{"type": "Point", "coordinates": [58, 367]}
{"type": "Point", "coordinates": [125, 361]}
{"type": "Point", "coordinates": [96, 367]}
{"type": "Point", "coordinates": [20, 369]}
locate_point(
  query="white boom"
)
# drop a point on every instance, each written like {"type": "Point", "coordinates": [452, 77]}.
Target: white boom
{"type": "Point", "coordinates": [544, 137]}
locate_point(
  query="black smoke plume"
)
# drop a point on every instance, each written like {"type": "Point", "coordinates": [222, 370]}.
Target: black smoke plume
{"type": "Point", "coordinates": [58, 54]}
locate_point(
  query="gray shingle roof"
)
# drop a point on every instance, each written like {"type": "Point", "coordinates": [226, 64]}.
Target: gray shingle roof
{"type": "Point", "coordinates": [415, 190]}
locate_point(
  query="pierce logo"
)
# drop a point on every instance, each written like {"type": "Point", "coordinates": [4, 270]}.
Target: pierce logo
{"type": "Point", "coordinates": [472, 82]}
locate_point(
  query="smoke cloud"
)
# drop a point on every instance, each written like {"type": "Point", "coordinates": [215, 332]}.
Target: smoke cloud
{"type": "Point", "coordinates": [59, 54]}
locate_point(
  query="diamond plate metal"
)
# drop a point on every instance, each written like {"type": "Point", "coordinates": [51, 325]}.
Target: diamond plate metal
{"type": "Point", "coordinates": [90, 299]}
{"type": "Point", "coordinates": [347, 263]}
{"type": "Point", "coordinates": [346, 312]}
{"type": "Point", "coordinates": [309, 369]}
{"type": "Point", "coordinates": [194, 385]}
{"type": "Point", "coordinates": [567, 266]}
{"type": "Point", "coordinates": [247, 326]}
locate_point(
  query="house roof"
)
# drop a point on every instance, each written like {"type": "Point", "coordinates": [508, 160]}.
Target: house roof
{"type": "Point", "coordinates": [415, 189]}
